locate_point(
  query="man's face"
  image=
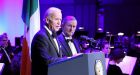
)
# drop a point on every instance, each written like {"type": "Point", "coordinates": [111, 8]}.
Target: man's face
{"type": "Point", "coordinates": [55, 21]}
{"type": "Point", "coordinates": [106, 49]}
{"type": "Point", "coordinates": [70, 27]}
{"type": "Point", "coordinates": [4, 42]}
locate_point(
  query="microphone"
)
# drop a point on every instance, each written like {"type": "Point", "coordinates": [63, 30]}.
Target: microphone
{"type": "Point", "coordinates": [87, 38]}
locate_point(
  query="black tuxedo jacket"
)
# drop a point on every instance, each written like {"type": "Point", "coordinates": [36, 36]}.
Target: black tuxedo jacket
{"type": "Point", "coordinates": [43, 52]}
{"type": "Point", "coordinates": [66, 51]}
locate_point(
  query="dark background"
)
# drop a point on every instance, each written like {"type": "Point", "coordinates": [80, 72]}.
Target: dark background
{"type": "Point", "coordinates": [119, 15]}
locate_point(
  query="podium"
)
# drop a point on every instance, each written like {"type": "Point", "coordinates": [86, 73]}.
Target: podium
{"type": "Point", "coordinates": [85, 64]}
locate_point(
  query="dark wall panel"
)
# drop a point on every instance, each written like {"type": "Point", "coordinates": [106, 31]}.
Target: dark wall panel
{"type": "Point", "coordinates": [83, 10]}
{"type": "Point", "coordinates": [123, 17]}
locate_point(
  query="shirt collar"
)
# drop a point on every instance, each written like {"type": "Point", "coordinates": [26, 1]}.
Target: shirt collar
{"type": "Point", "coordinates": [66, 36]}
{"type": "Point", "coordinates": [50, 32]}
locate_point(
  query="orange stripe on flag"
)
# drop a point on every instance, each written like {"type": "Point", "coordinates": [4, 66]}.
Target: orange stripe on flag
{"type": "Point", "coordinates": [25, 59]}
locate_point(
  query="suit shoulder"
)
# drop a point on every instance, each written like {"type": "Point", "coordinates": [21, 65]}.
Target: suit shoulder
{"type": "Point", "coordinates": [40, 34]}
{"type": "Point", "coordinates": [60, 36]}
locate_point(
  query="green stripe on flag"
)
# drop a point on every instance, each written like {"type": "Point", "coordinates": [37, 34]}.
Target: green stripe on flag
{"type": "Point", "coordinates": [34, 6]}
{"type": "Point", "coordinates": [29, 7]}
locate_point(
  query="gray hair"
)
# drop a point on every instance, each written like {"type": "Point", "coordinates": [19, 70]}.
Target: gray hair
{"type": "Point", "coordinates": [68, 18]}
{"type": "Point", "coordinates": [50, 11]}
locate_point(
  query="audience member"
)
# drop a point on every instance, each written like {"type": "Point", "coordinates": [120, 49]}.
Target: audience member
{"type": "Point", "coordinates": [105, 48]}
{"type": "Point", "coordinates": [116, 56]}
{"type": "Point", "coordinates": [16, 61]}
{"type": "Point", "coordinates": [6, 54]}
{"type": "Point", "coordinates": [84, 44]}
{"type": "Point", "coordinates": [135, 45]}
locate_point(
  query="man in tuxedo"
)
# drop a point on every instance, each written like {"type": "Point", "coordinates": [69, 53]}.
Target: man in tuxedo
{"type": "Point", "coordinates": [70, 46]}
{"type": "Point", "coordinates": [45, 48]}
{"type": "Point", "coordinates": [6, 55]}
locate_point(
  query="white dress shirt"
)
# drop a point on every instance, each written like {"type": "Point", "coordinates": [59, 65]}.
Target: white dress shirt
{"type": "Point", "coordinates": [71, 45]}
{"type": "Point", "coordinates": [50, 32]}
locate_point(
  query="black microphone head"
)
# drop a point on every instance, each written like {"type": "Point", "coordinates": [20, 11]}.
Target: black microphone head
{"type": "Point", "coordinates": [84, 37]}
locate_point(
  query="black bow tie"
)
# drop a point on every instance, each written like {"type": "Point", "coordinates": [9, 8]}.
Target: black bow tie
{"type": "Point", "coordinates": [54, 34]}
{"type": "Point", "coordinates": [69, 40]}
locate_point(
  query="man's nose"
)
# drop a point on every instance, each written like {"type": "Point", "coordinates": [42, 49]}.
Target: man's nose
{"type": "Point", "coordinates": [59, 22]}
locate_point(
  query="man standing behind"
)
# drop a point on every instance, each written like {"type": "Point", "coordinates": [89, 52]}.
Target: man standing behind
{"type": "Point", "coordinates": [45, 48]}
{"type": "Point", "coordinates": [69, 45]}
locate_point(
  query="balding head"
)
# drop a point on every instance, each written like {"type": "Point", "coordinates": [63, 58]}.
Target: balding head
{"type": "Point", "coordinates": [68, 18]}
{"type": "Point", "coordinates": [51, 12]}
{"type": "Point", "coordinates": [52, 18]}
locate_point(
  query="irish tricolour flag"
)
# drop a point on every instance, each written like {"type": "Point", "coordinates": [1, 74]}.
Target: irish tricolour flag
{"type": "Point", "coordinates": [31, 19]}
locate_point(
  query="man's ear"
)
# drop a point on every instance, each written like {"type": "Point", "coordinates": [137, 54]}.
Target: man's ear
{"type": "Point", "coordinates": [47, 20]}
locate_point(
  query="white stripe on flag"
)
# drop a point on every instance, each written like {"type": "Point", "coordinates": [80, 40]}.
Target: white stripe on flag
{"type": "Point", "coordinates": [34, 25]}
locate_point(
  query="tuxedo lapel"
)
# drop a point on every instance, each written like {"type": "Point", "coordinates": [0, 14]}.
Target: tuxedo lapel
{"type": "Point", "coordinates": [60, 51]}
{"type": "Point", "coordinates": [52, 41]}
{"type": "Point", "coordinates": [65, 44]}
{"type": "Point", "coordinates": [76, 46]}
